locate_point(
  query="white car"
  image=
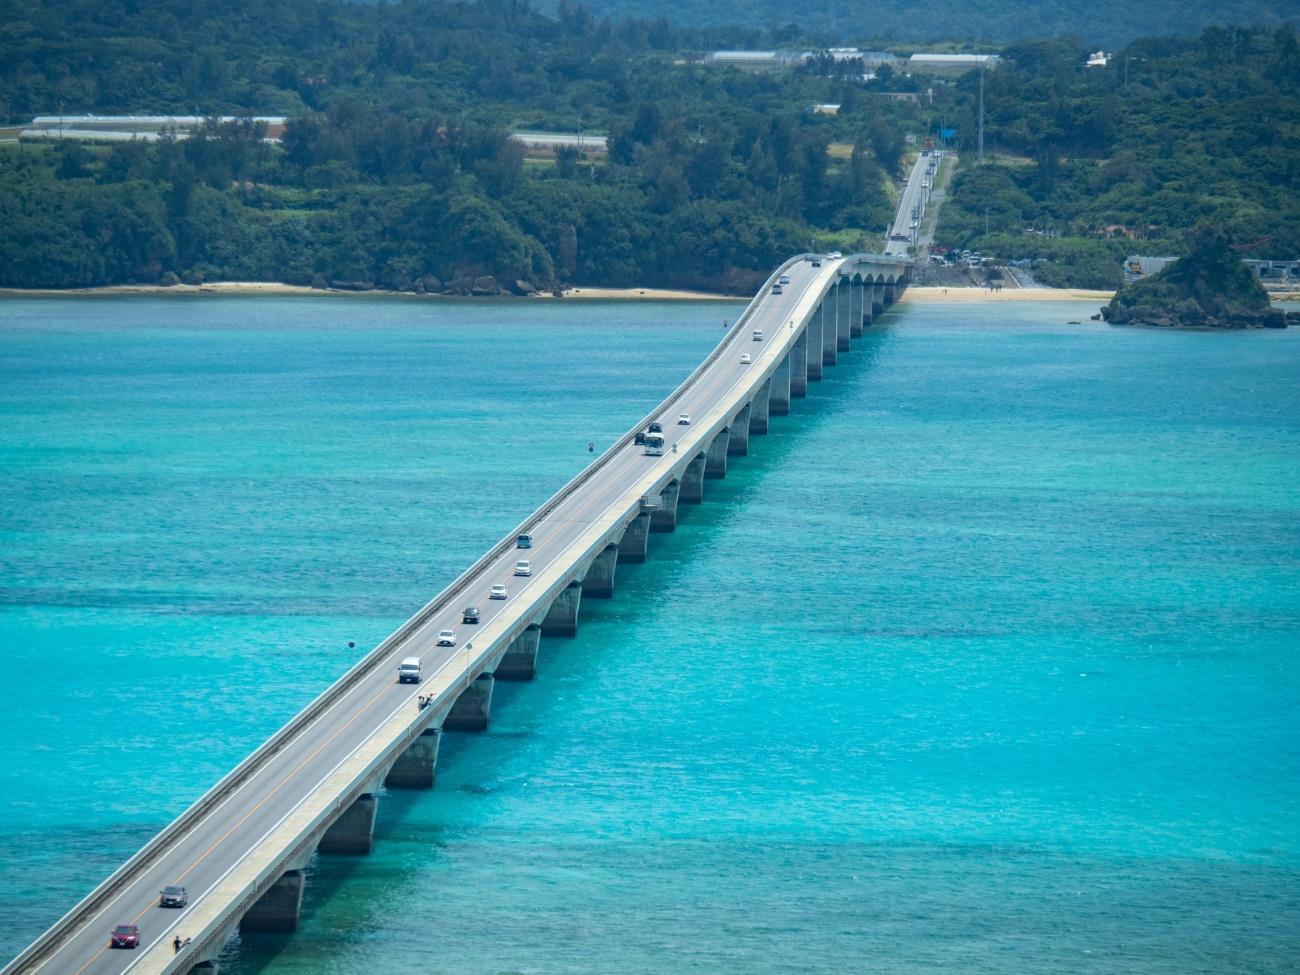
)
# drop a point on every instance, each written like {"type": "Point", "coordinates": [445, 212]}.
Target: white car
{"type": "Point", "coordinates": [498, 592]}
{"type": "Point", "coordinates": [446, 638]}
{"type": "Point", "coordinates": [833, 255]}
{"type": "Point", "coordinates": [683, 419]}
{"type": "Point", "coordinates": [784, 279]}
{"type": "Point", "coordinates": [523, 568]}
{"type": "Point", "coordinates": [745, 359]}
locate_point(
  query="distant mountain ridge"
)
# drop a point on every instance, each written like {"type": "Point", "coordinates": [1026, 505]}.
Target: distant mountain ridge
{"type": "Point", "coordinates": [996, 21]}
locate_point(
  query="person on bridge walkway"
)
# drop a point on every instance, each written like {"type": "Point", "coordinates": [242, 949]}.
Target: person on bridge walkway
{"type": "Point", "coordinates": [176, 945]}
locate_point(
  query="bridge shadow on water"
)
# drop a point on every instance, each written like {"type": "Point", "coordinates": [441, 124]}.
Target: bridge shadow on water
{"type": "Point", "coordinates": [350, 898]}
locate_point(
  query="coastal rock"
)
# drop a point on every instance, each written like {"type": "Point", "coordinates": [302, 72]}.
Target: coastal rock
{"type": "Point", "coordinates": [351, 285]}
{"type": "Point", "coordinates": [523, 287]}
{"type": "Point", "coordinates": [168, 279]}
{"type": "Point", "coordinates": [1209, 288]}
{"type": "Point", "coordinates": [431, 283]}
{"type": "Point", "coordinates": [484, 284]}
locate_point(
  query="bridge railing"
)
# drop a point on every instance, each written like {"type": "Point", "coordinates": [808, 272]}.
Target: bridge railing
{"type": "Point", "coordinates": [242, 772]}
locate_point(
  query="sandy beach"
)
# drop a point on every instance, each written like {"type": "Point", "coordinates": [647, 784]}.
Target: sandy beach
{"type": "Point", "coordinates": [279, 288]}
{"type": "Point", "coordinates": [925, 295]}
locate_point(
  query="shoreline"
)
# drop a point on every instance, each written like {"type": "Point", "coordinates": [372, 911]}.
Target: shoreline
{"type": "Point", "coordinates": [278, 288]}
{"type": "Point", "coordinates": [917, 294]}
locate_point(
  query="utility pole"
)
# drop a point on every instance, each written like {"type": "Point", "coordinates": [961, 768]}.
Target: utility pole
{"type": "Point", "coordinates": [981, 142]}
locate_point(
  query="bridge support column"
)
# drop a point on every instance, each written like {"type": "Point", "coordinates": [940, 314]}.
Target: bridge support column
{"type": "Point", "coordinates": [473, 708]}
{"type": "Point", "coordinates": [598, 583]}
{"type": "Point", "coordinates": [519, 662]}
{"type": "Point", "coordinates": [799, 366]}
{"type": "Point", "coordinates": [738, 443]}
{"type": "Point", "coordinates": [878, 299]}
{"type": "Point", "coordinates": [814, 344]}
{"type": "Point", "coordinates": [664, 519]}
{"type": "Point", "coordinates": [844, 316]}
{"type": "Point", "coordinates": [354, 831]}
{"type": "Point", "coordinates": [632, 546]}
{"type": "Point", "coordinates": [692, 487]}
{"type": "Point", "coordinates": [868, 304]}
{"type": "Point", "coordinates": [758, 408]}
{"type": "Point", "coordinates": [889, 293]}
{"type": "Point", "coordinates": [279, 907]}
{"type": "Point", "coordinates": [831, 327]}
{"type": "Point", "coordinates": [562, 618]}
{"type": "Point", "coordinates": [855, 310]}
{"type": "Point", "coordinates": [415, 767]}
{"type": "Point", "coordinates": [778, 403]}
{"type": "Point", "coordinates": [715, 461]}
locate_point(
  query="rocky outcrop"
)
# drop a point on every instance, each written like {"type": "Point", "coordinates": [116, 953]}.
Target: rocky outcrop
{"type": "Point", "coordinates": [1209, 288]}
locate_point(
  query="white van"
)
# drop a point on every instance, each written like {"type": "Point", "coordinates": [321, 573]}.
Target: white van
{"type": "Point", "coordinates": [758, 335]}
{"type": "Point", "coordinates": [408, 671]}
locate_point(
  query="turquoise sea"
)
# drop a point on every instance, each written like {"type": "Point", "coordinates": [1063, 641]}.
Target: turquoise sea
{"type": "Point", "coordinates": [986, 660]}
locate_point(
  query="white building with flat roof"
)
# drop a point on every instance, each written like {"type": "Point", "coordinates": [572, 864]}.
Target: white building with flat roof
{"type": "Point", "coordinates": [949, 63]}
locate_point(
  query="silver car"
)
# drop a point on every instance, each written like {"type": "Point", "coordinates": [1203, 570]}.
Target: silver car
{"type": "Point", "coordinates": [498, 592]}
{"type": "Point", "coordinates": [523, 568]}
{"type": "Point", "coordinates": [446, 638]}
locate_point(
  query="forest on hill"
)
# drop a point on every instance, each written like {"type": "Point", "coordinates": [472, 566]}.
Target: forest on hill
{"type": "Point", "coordinates": [1109, 22]}
{"type": "Point", "coordinates": [396, 168]}
{"type": "Point", "coordinates": [1089, 165]}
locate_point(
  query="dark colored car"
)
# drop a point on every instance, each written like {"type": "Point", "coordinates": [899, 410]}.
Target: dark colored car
{"type": "Point", "coordinates": [639, 439]}
{"type": "Point", "coordinates": [469, 615]}
{"type": "Point", "coordinates": [173, 897]}
{"type": "Point", "coordinates": [524, 541]}
{"type": "Point", "coordinates": [655, 427]}
{"type": "Point", "coordinates": [124, 936]}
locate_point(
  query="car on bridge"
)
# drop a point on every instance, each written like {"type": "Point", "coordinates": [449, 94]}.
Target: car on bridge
{"type": "Point", "coordinates": [446, 638]}
{"type": "Point", "coordinates": [469, 614]}
{"type": "Point", "coordinates": [745, 359]}
{"type": "Point", "coordinates": [498, 591]}
{"type": "Point", "coordinates": [523, 568]}
{"type": "Point", "coordinates": [524, 541]}
{"type": "Point", "coordinates": [173, 897]}
{"type": "Point", "coordinates": [683, 419]}
{"type": "Point", "coordinates": [758, 335]}
{"type": "Point", "coordinates": [124, 936]}
{"type": "Point", "coordinates": [408, 671]}
{"type": "Point", "coordinates": [784, 279]}
{"type": "Point", "coordinates": [776, 288]}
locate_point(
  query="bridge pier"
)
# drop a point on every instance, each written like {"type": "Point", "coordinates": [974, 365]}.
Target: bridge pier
{"type": "Point", "coordinates": [598, 583]}
{"type": "Point", "coordinates": [813, 332]}
{"type": "Point", "coordinates": [799, 366]}
{"type": "Point", "coordinates": [868, 304]}
{"type": "Point", "coordinates": [473, 708]}
{"type": "Point", "coordinates": [415, 767]}
{"type": "Point", "coordinates": [830, 327]}
{"type": "Point", "coordinates": [519, 662]}
{"type": "Point", "coordinates": [354, 831]}
{"type": "Point", "coordinates": [844, 316]}
{"type": "Point", "coordinates": [715, 461]}
{"type": "Point", "coordinates": [889, 293]}
{"type": "Point", "coordinates": [858, 292]}
{"type": "Point", "coordinates": [277, 909]}
{"type": "Point", "coordinates": [738, 442]}
{"type": "Point", "coordinates": [692, 486]}
{"type": "Point", "coordinates": [664, 518]}
{"type": "Point", "coordinates": [562, 616]}
{"type": "Point", "coordinates": [878, 299]}
{"type": "Point", "coordinates": [778, 403]}
{"type": "Point", "coordinates": [636, 536]}
{"type": "Point", "coordinates": [758, 408]}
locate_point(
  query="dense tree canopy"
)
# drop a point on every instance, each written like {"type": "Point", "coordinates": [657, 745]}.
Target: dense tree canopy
{"type": "Point", "coordinates": [396, 166]}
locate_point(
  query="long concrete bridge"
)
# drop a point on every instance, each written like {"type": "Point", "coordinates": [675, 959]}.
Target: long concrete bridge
{"type": "Point", "coordinates": [314, 786]}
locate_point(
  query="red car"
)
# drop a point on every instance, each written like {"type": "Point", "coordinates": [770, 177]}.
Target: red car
{"type": "Point", "coordinates": [124, 936]}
